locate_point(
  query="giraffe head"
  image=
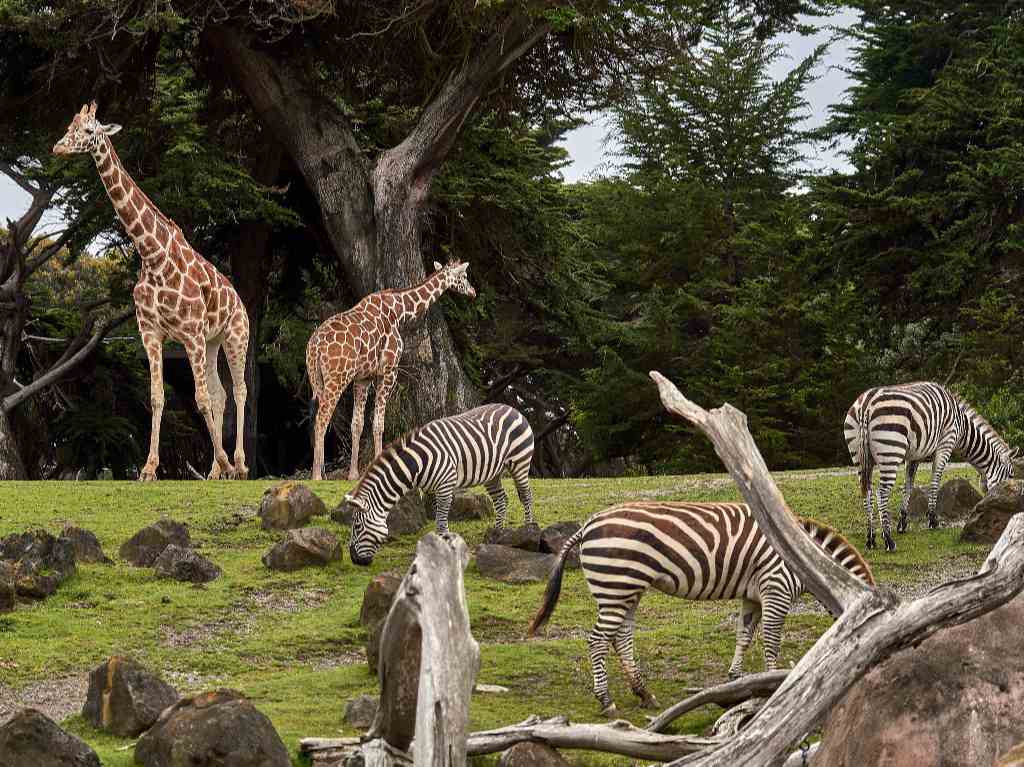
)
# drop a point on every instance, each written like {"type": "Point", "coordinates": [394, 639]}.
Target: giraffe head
{"type": "Point", "coordinates": [84, 133]}
{"type": "Point", "coordinates": [454, 277]}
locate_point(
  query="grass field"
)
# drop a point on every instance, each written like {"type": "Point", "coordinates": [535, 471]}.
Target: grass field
{"type": "Point", "coordinates": [292, 641]}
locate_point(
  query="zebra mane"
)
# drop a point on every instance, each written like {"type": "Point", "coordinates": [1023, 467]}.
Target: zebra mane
{"type": "Point", "coordinates": [990, 432]}
{"type": "Point", "coordinates": [838, 547]}
{"type": "Point", "coordinates": [386, 454]}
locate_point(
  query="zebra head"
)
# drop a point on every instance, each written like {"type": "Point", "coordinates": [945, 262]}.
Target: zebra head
{"type": "Point", "coordinates": [369, 531]}
{"type": "Point", "coordinates": [455, 277]}
{"type": "Point", "coordinates": [1001, 469]}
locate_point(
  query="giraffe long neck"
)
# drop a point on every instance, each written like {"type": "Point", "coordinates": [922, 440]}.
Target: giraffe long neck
{"type": "Point", "coordinates": [145, 224]}
{"type": "Point", "coordinates": [416, 300]}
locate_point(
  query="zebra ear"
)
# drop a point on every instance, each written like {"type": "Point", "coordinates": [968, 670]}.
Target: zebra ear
{"type": "Point", "coordinates": [357, 502]}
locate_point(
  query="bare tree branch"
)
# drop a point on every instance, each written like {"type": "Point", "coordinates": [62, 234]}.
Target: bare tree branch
{"type": "Point", "coordinates": [734, 691]}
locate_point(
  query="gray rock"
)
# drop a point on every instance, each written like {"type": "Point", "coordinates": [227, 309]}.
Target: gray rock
{"type": "Point", "coordinates": [406, 517]}
{"type": "Point", "coordinates": [214, 729]}
{"type": "Point", "coordinates": [37, 562]}
{"type": "Point", "coordinates": [526, 537]}
{"type": "Point", "coordinates": [532, 755]}
{"type": "Point", "coordinates": [917, 510]}
{"type": "Point", "coordinates": [32, 739]}
{"type": "Point", "coordinates": [86, 545]}
{"type": "Point", "coordinates": [466, 506]}
{"type": "Point", "coordinates": [183, 564]}
{"type": "Point", "coordinates": [288, 505]}
{"type": "Point", "coordinates": [360, 712]}
{"type": "Point", "coordinates": [124, 698]}
{"type": "Point", "coordinates": [8, 596]}
{"type": "Point", "coordinates": [553, 537]}
{"type": "Point", "coordinates": [145, 546]}
{"type": "Point", "coordinates": [510, 565]}
{"type": "Point", "coordinates": [955, 699]}
{"type": "Point", "coordinates": [989, 517]}
{"type": "Point", "coordinates": [380, 593]}
{"type": "Point", "coordinates": [956, 499]}
{"type": "Point", "coordinates": [305, 547]}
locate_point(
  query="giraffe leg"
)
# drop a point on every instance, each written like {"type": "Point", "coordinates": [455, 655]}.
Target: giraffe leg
{"type": "Point", "coordinates": [218, 398]}
{"type": "Point", "coordinates": [326, 403]}
{"type": "Point", "coordinates": [746, 627]}
{"type": "Point", "coordinates": [197, 359]}
{"type": "Point", "coordinates": [360, 391]}
{"type": "Point", "coordinates": [623, 644]}
{"type": "Point", "coordinates": [499, 498]}
{"type": "Point", "coordinates": [385, 385]}
{"type": "Point", "coordinates": [236, 347]}
{"type": "Point", "coordinates": [153, 344]}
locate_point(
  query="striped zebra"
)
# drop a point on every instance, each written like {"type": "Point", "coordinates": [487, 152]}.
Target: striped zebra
{"type": "Point", "coordinates": [472, 448]}
{"type": "Point", "coordinates": [913, 422]}
{"type": "Point", "coordinates": [689, 550]}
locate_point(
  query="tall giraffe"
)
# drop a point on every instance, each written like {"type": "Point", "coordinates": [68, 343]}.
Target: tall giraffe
{"type": "Point", "coordinates": [364, 344]}
{"type": "Point", "coordinates": [179, 295]}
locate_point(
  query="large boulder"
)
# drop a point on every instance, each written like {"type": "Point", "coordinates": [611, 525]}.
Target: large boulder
{"type": "Point", "coordinates": [406, 517]}
{"type": "Point", "coordinates": [360, 712]}
{"type": "Point", "coordinates": [956, 499]}
{"type": "Point", "coordinates": [525, 537]}
{"type": "Point", "coordinates": [213, 729]}
{"type": "Point", "coordinates": [288, 505]}
{"type": "Point", "coordinates": [124, 698]}
{"type": "Point", "coordinates": [304, 547]}
{"type": "Point", "coordinates": [37, 562]}
{"type": "Point", "coordinates": [917, 509]}
{"type": "Point", "coordinates": [503, 563]}
{"type": "Point", "coordinates": [32, 739]}
{"type": "Point", "coordinates": [86, 545]}
{"type": "Point", "coordinates": [145, 546]}
{"type": "Point", "coordinates": [532, 755]}
{"type": "Point", "coordinates": [553, 537]}
{"type": "Point", "coordinates": [466, 506]}
{"type": "Point", "coordinates": [380, 593]}
{"type": "Point", "coordinates": [955, 699]}
{"type": "Point", "coordinates": [8, 595]}
{"type": "Point", "coordinates": [989, 517]}
{"type": "Point", "coordinates": [183, 564]}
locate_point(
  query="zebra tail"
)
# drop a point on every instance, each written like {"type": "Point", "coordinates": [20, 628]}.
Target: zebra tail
{"type": "Point", "coordinates": [554, 588]}
{"type": "Point", "coordinates": [867, 461]}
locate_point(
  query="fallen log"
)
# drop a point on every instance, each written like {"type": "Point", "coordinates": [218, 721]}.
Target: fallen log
{"type": "Point", "coordinates": [727, 694]}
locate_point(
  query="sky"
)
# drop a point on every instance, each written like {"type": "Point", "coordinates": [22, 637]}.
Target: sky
{"type": "Point", "coordinates": [587, 146]}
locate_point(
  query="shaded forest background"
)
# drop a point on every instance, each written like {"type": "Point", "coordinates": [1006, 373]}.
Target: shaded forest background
{"type": "Point", "coordinates": [706, 252]}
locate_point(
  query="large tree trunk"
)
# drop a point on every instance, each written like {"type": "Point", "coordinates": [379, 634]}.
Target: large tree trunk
{"type": "Point", "coordinates": [11, 465]}
{"type": "Point", "coordinates": [371, 208]}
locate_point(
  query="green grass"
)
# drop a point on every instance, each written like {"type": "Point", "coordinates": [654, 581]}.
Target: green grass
{"type": "Point", "coordinates": [297, 665]}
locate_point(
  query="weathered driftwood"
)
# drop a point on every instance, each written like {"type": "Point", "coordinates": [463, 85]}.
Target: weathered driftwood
{"type": "Point", "coordinates": [726, 694]}
{"type": "Point", "coordinates": [617, 737]}
{"type": "Point", "coordinates": [428, 665]}
{"type": "Point", "coordinates": [872, 623]}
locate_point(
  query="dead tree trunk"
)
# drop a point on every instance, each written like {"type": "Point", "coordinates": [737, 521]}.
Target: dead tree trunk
{"type": "Point", "coordinates": [872, 623]}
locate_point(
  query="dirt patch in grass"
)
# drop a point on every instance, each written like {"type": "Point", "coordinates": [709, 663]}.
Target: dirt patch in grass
{"type": "Point", "coordinates": [290, 601]}
{"type": "Point", "coordinates": [57, 698]}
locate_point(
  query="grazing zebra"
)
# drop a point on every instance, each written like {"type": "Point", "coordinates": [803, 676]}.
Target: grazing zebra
{"type": "Point", "coordinates": [913, 422]}
{"type": "Point", "coordinates": [471, 448]}
{"type": "Point", "coordinates": [688, 550]}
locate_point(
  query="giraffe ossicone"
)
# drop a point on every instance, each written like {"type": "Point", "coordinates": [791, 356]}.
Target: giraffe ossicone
{"type": "Point", "coordinates": [363, 345]}
{"type": "Point", "coordinates": [179, 295]}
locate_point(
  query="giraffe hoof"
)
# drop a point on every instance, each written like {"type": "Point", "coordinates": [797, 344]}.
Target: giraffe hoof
{"type": "Point", "coordinates": [242, 473]}
{"type": "Point", "coordinates": [353, 476]}
{"type": "Point", "coordinates": [147, 476]}
{"type": "Point", "coordinates": [648, 701]}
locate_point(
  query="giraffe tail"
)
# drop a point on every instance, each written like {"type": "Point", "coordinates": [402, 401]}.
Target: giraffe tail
{"type": "Point", "coordinates": [554, 589]}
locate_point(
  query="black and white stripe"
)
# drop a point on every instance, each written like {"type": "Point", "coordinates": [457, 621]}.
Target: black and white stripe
{"type": "Point", "coordinates": [914, 422]}
{"type": "Point", "coordinates": [688, 550]}
{"type": "Point", "coordinates": [472, 448]}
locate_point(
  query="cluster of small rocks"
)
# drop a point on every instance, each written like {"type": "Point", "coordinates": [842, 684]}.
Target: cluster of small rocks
{"type": "Point", "coordinates": [288, 506]}
{"type": "Point", "coordinates": [211, 729]}
{"type": "Point", "coordinates": [166, 546]}
{"type": "Point", "coordinates": [524, 554]}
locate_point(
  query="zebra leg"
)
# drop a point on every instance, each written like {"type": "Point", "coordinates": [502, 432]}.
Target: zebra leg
{"type": "Point", "coordinates": [623, 644]}
{"type": "Point", "coordinates": [500, 500]}
{"type": "Point", "coordinates": [774, 608]}
{"type": "Point", "coordinates": [886, 482]}
{"type": "Point", "coordinates": [611, 613]}
{"type": "Point", "coordinates": [746, 627]}
{"type": "Point", "coordinates": [939, 462]}
{"type": "Point", "coordinates": [521, 476]}
{"type": "Point", "coordinates": [907, 490]}
{"type": "Point", "coordinates": [870, 543]}
{"type": "Point", "coordinates": [442, 503]}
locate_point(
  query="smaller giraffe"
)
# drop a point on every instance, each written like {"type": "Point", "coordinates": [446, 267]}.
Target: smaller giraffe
{"type": "Point", "coordinates": [364, 344]}
{"type": "Point", "coordinates": [179, 295]}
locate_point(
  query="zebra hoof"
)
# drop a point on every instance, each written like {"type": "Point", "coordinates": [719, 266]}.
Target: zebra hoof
{"type": "Point", "coordinates": [610, 711]}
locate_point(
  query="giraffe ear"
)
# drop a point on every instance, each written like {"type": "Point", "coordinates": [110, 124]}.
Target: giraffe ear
{"type": "Point", "coordinates": [92, 109]}
{"type": "Point", "coordinates": [110, 129]}
{"type": "Point", "coordinates": [437, 267]}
